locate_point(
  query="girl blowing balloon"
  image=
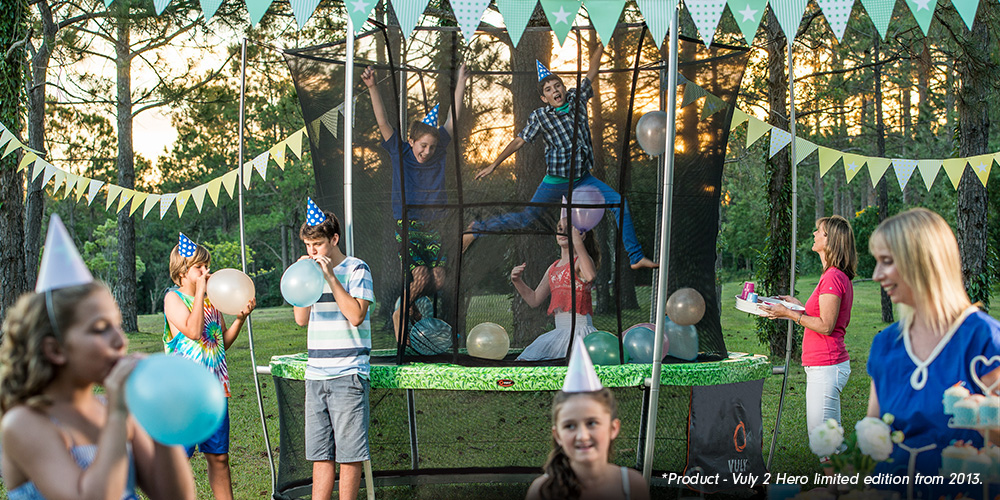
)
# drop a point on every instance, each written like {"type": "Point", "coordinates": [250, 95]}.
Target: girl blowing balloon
{"type": "Point", "coordinates": [556, 282]}
{"type": "Point", "coordinates": [60, 440]}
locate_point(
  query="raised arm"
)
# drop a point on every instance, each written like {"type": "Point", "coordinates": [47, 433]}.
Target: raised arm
{"type": "Point", "coordinates": [586, 271]}
{"type": "Point", "coordinates": [511, 148]}
{"type": "Point", "coordinates": [234, 329]}
{"type": "Point", "coordinates": [595, 63]}
{"type": "Point", "coordinates": [463, 76]}
{"type": "Point", "coordinates": [368, 76]}
{"type": "Point", "coordinates": [533, 298]}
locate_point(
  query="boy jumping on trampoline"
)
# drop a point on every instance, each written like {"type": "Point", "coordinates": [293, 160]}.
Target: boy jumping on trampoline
{"type": "Point", "coordinates": [555, 124]}
{"type": "Point", "coordinates": [339, 343]}
{"type": "Point", "coordinates": [423, 158]}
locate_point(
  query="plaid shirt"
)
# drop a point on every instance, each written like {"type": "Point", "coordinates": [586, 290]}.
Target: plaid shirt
{"type": "Point", "coordinates": [557, 131]}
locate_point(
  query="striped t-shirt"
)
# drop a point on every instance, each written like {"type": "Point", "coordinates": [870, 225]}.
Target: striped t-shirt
{"type": "Point", "coordinates": [336, 347]}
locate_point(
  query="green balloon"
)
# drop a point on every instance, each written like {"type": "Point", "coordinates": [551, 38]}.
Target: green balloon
{"type": "Point", "coordinates": [602, 347]}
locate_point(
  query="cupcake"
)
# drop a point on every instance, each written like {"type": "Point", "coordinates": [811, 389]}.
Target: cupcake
{"type": "Point", "coordinates": [989, 411]}
{"type": "Point", "coordinates": [966, 411]}
{"type": "Point", "coordinates": [979, 463]}
{"type": "Point", "coordinates": [953, 458]}
{"type": "Point", "coordinates": [993, 451]}
{"type": "Point", "coordinates": [953, 395]}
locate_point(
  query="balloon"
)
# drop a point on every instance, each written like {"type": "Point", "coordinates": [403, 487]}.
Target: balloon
{"type": "Point", "coordinates": [586, 219]}
{"type": "Point", "coordinates": [423, 305]}
{"type": "Point", "coordinates": [177, 401]}
{"type": "Point", "coordinates": [488, 340]}
{"type": "Point", "coordinates": [302, 283]}
{"type": "Point", "coordinates": [230, 290]}
{"type": "Point", "coordinates": [430, 336]}
{"type": "Point", "coordinates": [638, 342]}
{"type": "Point", "coordinates": [651, 132]}
{"type": "Point", "coordinates": [602, 347]}
{"type": "Point", "coordinates": [683, 340]}
{"type": "Point", "coordinates": [685, 306]}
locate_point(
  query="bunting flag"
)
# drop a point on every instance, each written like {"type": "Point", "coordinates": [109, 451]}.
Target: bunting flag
{"type": "Point", "coordinates": [359, 10]}
{"type": "Point", "coordinates": [247, 174]}
{"type": "Point", "coordinates": [408, 13]}
{"type": "Point", "coordinates": [95, 186]}
{"type": "Point", "coordinates": [755, 130]}
{"type": "Point", "coordinates": [138, 200]}
{"type": "Point", "coordinates": [294, 142]}
{"type": "Point", "coordinates": [59, 175]}
{"type": "Point", "coordinates": [739, 118]}
{"type": "Point", "coordinates": [81, 188]}
{"type": "Point", "coordinates": [229, 181]}
{"type": "Point", "coordinates": [852, 165]}
{"type": "Point", "coordinates": [198, 195]}
{"type": "Point", "coordinates": [38, 168]}
{"type": "Point", "coordinates": [928, 171]}
{"type": "Point", "coordinates": [151, 201]}
{"type": "Point", "coordinates": [12, 146]}
{"type": "Point", "coordinates": [468, 13]}
{"type": "Point", "coordinates": [260, 164]}
{"type": "Point", "coordinates": [256, 9]}
{"type": "Point", "coordinates": [561, 14]}
{"type": "Point", "coordinates": [748, 14]}
{"type": "Point", "coordinates": [659, 15]}
{"type": "Point", "coordinates": [516, 14]}
{"type": "Point", "coordinates": [71, 182]}
{"type": "Point", "coordinates": [967, 9]}
{"type": "Point", "coordinates": [876, 168]}
{"type": "Point", "coordinates": [904, 170]}
{"type": "Point", "coordinates": [303, 10]}
{"type": "Point", "coordinates": [981, 166]}
{"type": "Point", "coordinates": [880, 11]}
{"type": "Point", "coordinates": [113, 192]}
{"type": "Point", "coordinates": [277, 153]}
{"type": "Point", "coordinates": [803, 149]}
{"type": "Point", "coordinates": [159, 5]}
{"type": "Point", "coordinates": [5, 135]}
{"type": "Point", "coordinates": [827, 159]}
{"type": "Point", "coordinates": [28, 159]}
{"type": "Point", "coordinates": [779, 139]}
{"type": "Point", "coordinates": [604, 15]}
{"type": "Point", "coordinates": [706, 15]}
{"type": "Point", "coordinates": [923, 12]}
{"type": "Point", "coordinates": [208, 7]}
{"type": "Point", "coordinates": [789, 14]}
{"type": "Point", "coordinates": [712, 106]}
{"type": "Point", "coordinates": [50, 171]}
{"type": "Point", "coordinates": [331, 119]}
{"type": "Point", "coordinates": [954, 167]}
{"type": "Point", "coordinates": [692, 93]}
{"type": "Point", "coordinates": [125, 197]}
{"type": "Point", "coordinates": [213, 190]}
{"type": "Point", "coordinates": [165, 202]}
{"type": "Point", "coordinates": [837, 13]}
{"type": "Point", "coordinates": [181, 201]}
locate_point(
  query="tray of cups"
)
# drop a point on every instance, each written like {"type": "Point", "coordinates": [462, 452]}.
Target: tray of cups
{"type": "Point", "coordinates": [748, 306]}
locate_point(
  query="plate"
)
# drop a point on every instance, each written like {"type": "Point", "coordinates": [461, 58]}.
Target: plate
{"type": "Point", "coordinates": [753, 307]}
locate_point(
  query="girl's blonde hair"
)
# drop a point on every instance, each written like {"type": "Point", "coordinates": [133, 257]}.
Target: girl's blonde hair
{"type": "Point", "coordinates": [562, 482]}
{"type": "Point", "coordinates": [925, 251]}
{"type": "Point", "coordinates": [179, 265]}
{"type": "Point", "coordinates": [25, 371]}
{"type": "Point", "coordinates": [841, 252]}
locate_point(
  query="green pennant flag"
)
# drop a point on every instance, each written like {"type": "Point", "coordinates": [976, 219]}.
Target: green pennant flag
{"type": "Point", "coordinates": [923, 12]}
{"type": "Point", "coordinates": [837, 13]}
{"type": "Point", "coordinates": [706, 15]}
{"type": "Point", "coordinates": [876, 168]}
{"type": "Point", "coordinates": [789, 14]}
{"type": "Point", "coordinates": [604, 15]}
{"type": "Point", "coordinates": [880, 11]}
{"type": "Point", "coordinates": [302, 10]}
{"type": "Point", "coordinates": [692, 92]}
{"type": "Point", "coordinates": [659, 14]}
{"type": "Point", "coordinates": [561, 15]}
{"type": "Point", "coordinates": [967, 9]}
{"type": "Point", "coordinates": [359, 10]}
{"type": "Point", "coordinates": [852, 165]}
{"type": "Point", "coordinates": [469, 13]}
{"type": "Point", "coordinates": [256, 9]}
{"type": "Point", "coordinates": [803, 148]}
{"type": "Point", "coordinates": [516, 14]}
{"type": "Point", "coordinates": [208, 7]}
{"type": "Point", "coordinates": [928, 171]}
{"type": "Point", "coordinates": [755, 130]}
{"type": "Point", "coordinates": [954, 168]}
{"type": "Point", "coordinates": [738, 118]}
{"type": "Point", "coordinates": [408, 12]}
{"type": "Point", "coordinates": [748, 14]}
{"type": "Point", "coordinates": [827, 159]}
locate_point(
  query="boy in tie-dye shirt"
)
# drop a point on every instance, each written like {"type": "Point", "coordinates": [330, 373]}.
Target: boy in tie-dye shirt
{"type": "Point", "coordinates": [196, 330]}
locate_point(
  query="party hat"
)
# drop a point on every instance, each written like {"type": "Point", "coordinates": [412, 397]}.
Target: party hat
{"type": "Point", "coordinates": [542, 70]}
{"type": "Point", "coordinates": [61, 262]}
{"type": "Point", "coordinates": [580, 375]}
{"type": "Point", "coordinates": [432, 117]}
{"type": "Point", "coordinates": [314, 216]}
{"type": "Point", "coordinates": [185, 246]}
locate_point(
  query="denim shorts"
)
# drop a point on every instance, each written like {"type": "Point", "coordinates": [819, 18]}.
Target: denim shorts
{"type": "Point", "coordinates": [337, 419]}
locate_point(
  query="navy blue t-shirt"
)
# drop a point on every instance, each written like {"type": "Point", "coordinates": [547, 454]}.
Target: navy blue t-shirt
{"type": "Point", "coordinates": [424, 182]}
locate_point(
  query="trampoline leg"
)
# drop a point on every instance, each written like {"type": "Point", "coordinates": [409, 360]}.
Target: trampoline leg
{"type": "Point", "coordinates": [369, 480]}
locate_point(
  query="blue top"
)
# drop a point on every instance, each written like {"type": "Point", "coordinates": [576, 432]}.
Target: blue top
{"type": "Point", "coordinates": [424, 181]}
{"type": "Point", "coordinates": [919, 412]}
{"type": "Point", "coordinates": [556, 129]}
{"type": "Point", "coordinates": [84, 455]}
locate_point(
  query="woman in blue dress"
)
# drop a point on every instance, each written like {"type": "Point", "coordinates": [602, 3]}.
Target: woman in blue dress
{"type": "Point", "coordinates": [914, 360]}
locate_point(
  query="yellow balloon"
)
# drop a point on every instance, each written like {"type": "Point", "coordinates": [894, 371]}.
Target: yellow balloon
{"type": "Point", "coordinates": [488, 340]}
{"type": "Point", "coordinates": [230, 290]}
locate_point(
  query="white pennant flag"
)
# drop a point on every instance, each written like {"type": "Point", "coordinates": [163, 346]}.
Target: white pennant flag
{"type": "Point", "coordinates": [95, 186]}
{"type": "Point", "coordinates": [260, 164]}
{"type": "Point", "coordinates": [779, 139]}
{"type": "Point", "coordinates": [904, 170]}
{"type": "Point", "coordinates": [165, 202]}
{"type": "Point", "coordinates": [331, 119]}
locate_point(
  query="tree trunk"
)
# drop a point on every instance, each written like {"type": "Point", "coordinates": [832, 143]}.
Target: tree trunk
{"type": "Point", "coordinates": [125, 285]}
{"type": "Point", "coordinates": [820, 201]}
{"type": "Point", "coordinates": [883, 193]}
{"type": "Point", "coordinates": [13, 26]}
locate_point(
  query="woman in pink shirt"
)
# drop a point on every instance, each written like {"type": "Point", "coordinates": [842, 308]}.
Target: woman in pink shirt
{"type": "Point", "coordinates": [825, 319]}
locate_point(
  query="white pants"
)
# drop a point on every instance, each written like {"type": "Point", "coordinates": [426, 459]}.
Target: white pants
{"type": "Point", "coordinates": [823, 386]}
{"type": "Point", "coordinates": [553, 344]}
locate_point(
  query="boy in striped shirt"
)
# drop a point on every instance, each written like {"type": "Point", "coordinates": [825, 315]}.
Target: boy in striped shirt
{"type": "Point", "coordinates": [339, 345]}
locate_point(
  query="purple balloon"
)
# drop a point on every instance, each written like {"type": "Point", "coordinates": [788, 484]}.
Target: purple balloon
{"type": "Point", "coordinates": [586, 219]}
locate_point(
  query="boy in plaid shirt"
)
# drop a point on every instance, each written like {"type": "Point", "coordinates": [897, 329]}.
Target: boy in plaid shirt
{"type": "Point", "coordinates": [555, 124]}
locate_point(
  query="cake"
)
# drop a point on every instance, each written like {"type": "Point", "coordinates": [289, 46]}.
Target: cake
{"type": "Point", "coordinates": [989, 411]}
{"type": "Point", "coordinates": [966, 411]}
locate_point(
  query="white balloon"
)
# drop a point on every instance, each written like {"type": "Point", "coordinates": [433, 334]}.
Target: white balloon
{"type": "Point", "coordinates": [651, 132]}
{"type": "Point", "coordinates": [230, 290]}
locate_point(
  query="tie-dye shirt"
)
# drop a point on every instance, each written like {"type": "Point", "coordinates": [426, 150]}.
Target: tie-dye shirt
{"type": "Point", "coordinates": [209, 350]}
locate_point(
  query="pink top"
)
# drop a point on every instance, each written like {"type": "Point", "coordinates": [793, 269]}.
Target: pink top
{"type": "Point", "coordinates": [826, 350]}
{"type": "Point", "coordinates": [559, 286]}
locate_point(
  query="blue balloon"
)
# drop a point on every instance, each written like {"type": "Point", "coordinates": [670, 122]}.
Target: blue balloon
{"type": "Point", "coordinates": [430, 336]}
{"type": "Point", "coordinates": [639, 343]}
{"type": "Point", "coordinates": [177, 401]}
{"type": "Point", "coordinates": [302, 284]}
{"type": "Point", "coordinates": [683, 340]}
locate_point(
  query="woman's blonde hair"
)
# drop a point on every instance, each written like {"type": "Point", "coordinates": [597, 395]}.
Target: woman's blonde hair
{"type": "Point", "coordinates": [562, 482]}
{"type": "Point", "coordinates": [179, 265]}
{"type": "Point", "coordinates": [925, 251]}
{"type": "Point", "coordinates": [25, 371]}
{"type": "Point", "coordinates": [840, 249]}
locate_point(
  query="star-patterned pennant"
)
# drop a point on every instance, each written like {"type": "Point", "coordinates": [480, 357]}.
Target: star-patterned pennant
{"type": "Point", "coordinates": [837, 13]}
{"type": "Point", "coordinates": [904, 170]}
{"type": "Point", "coordinates": [604, 15]}
{"type": "Point", "coordinates": [358, 10]}
{"type": "Point", "coordinates": [954, 168]}
{"type": "Point", "coordinates": [277, 153]}
{"type": "Point", "coordinates": [880, 12]}
{"type": "Point", "coordinates": [923, 12]}
{"type": "Point", "coordinates": [125, 197]}
{"type": "Point", "coordinates": [852, 165]}
{"type": "Point", "coordinates": [877, 168]}
{"type": "Point", "coordinates": [803, 149]}
{"type": "Point", "coordinates": [659, 15]}
{"type": "Point", "coordinates": [827, 159]}
{"type": "Point", "coordinates": [181, 201]}
{"type": "Point", "coordinates": [789, 14]}
{"type": "Point", "coordinates": [314, 216]}
{"type": "Point", "coordinates": [981, 166]}
{"type": "Point", "coordinates": [706, 15]}
{"type": "Point", "coordinates": [408, 12]}
{"type": "Point", "coordinates": [748, 14]}
{"type": "Point", "coordinates": [516, 14]}
{"type": "Point", "coordinates": [469, 13]}
{"type": "Point", "coordinates": [928, 171]}
{"type": "Point", "coordinates": [779, 139]}
{"type": "Point", "coordinates": [712, 106]}
{"type": "Point", "coordinates": [561, 15]}
{"type": "Point", "coordinates": [185, 247]}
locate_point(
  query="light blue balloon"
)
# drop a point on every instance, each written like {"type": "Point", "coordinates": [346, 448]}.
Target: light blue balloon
{"type": "Point", "coordinates": [302, 284]}
{"type": "Point", "coordinates": [430, 336]}
{"type": "Point", "coordinates": [683, 340]}
{"type": "Point", "coordinates": [177, 401]}
{"type": "Point", "coordinates": [638, 342]}
{"type": "Point", "coordinates": [602, 347]}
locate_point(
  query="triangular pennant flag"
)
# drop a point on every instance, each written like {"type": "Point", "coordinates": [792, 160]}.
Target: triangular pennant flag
{"type": "Point", "coordinates": [739, 117]}
{"type": "Point", "coordinates": [789, 14]}
{"type": "Point", "coordinates": [580, 374]}
{"type": "Point", "coordinates": [260, 164]}
{"type": "Point", "coordinates": [11, 147]}
{"type": "Point", "coordinates": [827, 159]}
{"type": "Point", "coordinates": [928, 171]}
{"type": "Point", "coordinates": [904, 170]}
{"type": "Point", "coordinates": [159, 5]}
{"type": "Point", "coordinates": [314, 129]}
{"type": "Point", "coordinates": [880, 12]}
{"type": "Point", "coordinates": [81, 187]}
{"type": "Point", "coordinates": [5, 136]}
{"type": "Point", "coordinates": [125, 197]}
{"type": "Point", "coordinates": [95, 186]}
{"type": "Point", "coordinates": [561, 15]}
{"type": "Point", "coordinates": [516, 14]}
{"type": "Point", "coordinates": [303, 10]}
{"type": "Point", "coordinates": [755, 130]}
{"type": "Point", "coordinates": [954, 167]}
{"type": "Point", "coordinates": [256, 9]}
{"type": "Point", "coordinates": [208, 7]}
{"type": "Point", "coordinates": [59, 175]}
{"type": "Point", "coordinates": [468, 13]}
{"type": "Point", "coordinates": [198, 195]}
{"type": "Point", "coordinates": [61, 263]}
{"type": "Point", "coordinates": [137, 201]}
{"type": "Point", "coordinates": [50, 171]}
{"type": "Point", "coordinates": [38, 168]}
{"type": "Point", "coordinates": [876, 168]}
{"type": "Point", "coordinates": [837, 12]}
{"type": "Point", "coordinates": [604, 15]}
{"type": "Point", "coordinates": [71, 180]}
{"type": "Point", "coordinates": [278, 154]}
{"type": "Point", "coordinates": [214, 186]}
{"type": "Point", "coordinates": [229, 181]}
{"type": "Point", "coordinates": [706, 15]}
{"type": "Point", "coordinates": [803, 149]}
{"type": "Point", "coordinates": [181, 201]}
{"type": "Point", "coordinates": [331, 119]}
{"type": "Point", "coordinates": [151, 201]}
{"type": "Point", "coordinates": [923, 12]}
{"type": "Point", "coordinates": [779, 139]}
{"type": "Point", "coordinates": [967, 9]}
{"type": "Point", "coordinates": [712, 106]}
{"type": "Point", "coordinates": [981, 166]}
{"type": "Point", "coordinates": [359, 10]}
{"type": "Point", "coordinates": [247, 174]}
{"type": "Point", "coordinates": [294, 142]}
{"type": "Point", "coordinates": [165, 202]}
{"type": "Point", "coordinates": [748, 14]}
{"type": "Point", "coordinates": [28, 159]}
{"type": "Point", "coordinates": [408, 13]}
{"type": "Point", "coordinates": [852, 165]}
{"type": "Point", "coordinates": [659, 14]}
{"type": "Point", "coordinates": [692, 93]}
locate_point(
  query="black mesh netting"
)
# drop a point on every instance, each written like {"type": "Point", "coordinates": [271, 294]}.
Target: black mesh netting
{"type": "Point", "coordinates": [475, 285]}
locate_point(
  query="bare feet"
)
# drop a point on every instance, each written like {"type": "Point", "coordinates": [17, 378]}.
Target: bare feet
{"type": "Point", "coordinates": [645, 263]}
